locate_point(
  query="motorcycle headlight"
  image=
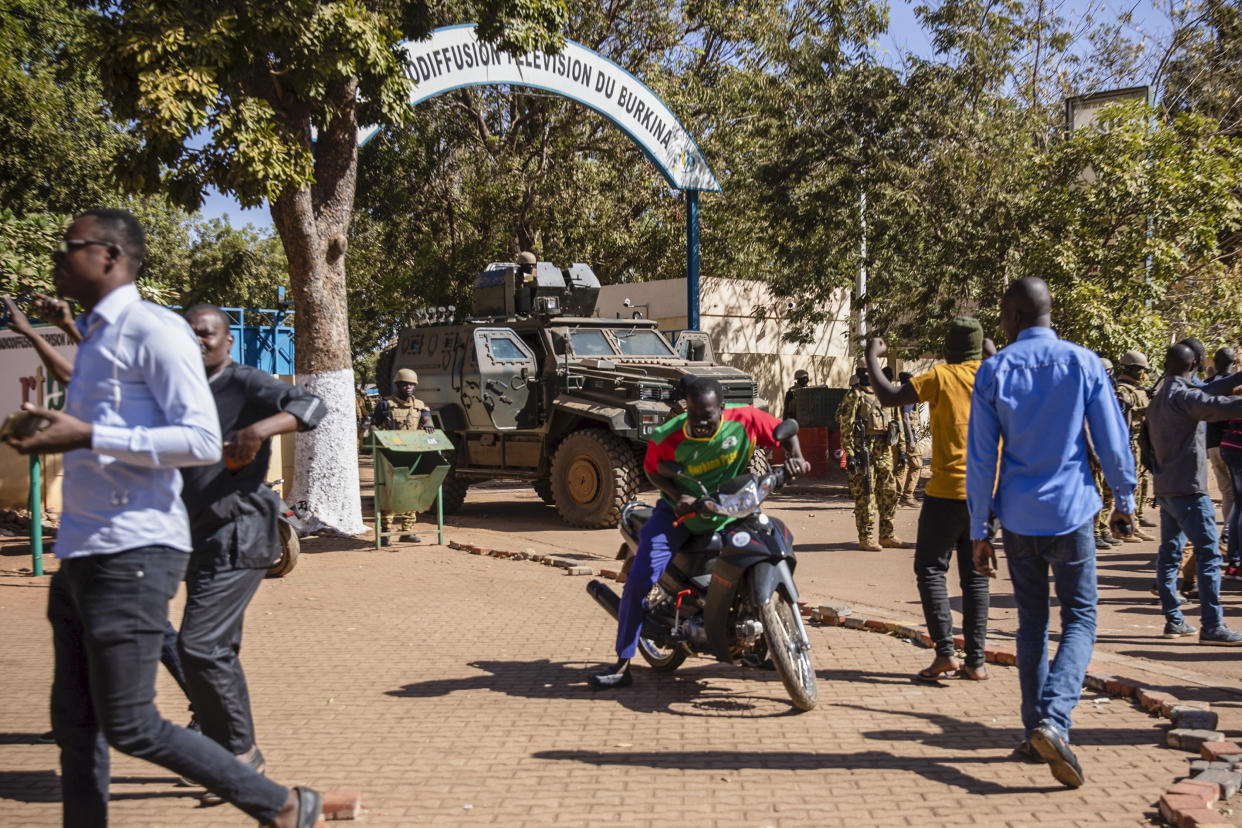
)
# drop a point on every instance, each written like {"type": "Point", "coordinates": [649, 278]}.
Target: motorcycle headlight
{"type": "Point", "coordinates": [743, 502]}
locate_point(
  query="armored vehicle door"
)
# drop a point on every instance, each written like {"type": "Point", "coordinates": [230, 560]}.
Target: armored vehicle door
{"type": "Point", "coordinates": [694, 346]}
{"type": "Point", "coordinates": [500, 390]}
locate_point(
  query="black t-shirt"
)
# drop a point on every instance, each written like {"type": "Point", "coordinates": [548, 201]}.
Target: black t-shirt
{"type": "Point", "coordinates": [213, 495]}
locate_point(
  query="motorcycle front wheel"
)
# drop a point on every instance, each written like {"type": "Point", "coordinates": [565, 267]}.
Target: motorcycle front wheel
{"type": "Point", "coordinates": [290, 546]}
{"type": "Point", "coordinates": [790, 651]}
{"type": "Point", "coordinates": [665, 659]}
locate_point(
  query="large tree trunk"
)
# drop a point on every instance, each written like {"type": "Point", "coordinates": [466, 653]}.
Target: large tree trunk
{"type": "Point", "coordinates": [313, 222]}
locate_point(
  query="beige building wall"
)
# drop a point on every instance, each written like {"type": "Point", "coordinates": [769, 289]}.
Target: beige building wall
{"type": "Point", "coordinates": [727, 310]}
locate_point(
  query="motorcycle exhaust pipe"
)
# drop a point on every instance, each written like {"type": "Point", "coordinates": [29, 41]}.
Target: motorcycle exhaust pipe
{"type": "Point", "coordinates": [605, 597]}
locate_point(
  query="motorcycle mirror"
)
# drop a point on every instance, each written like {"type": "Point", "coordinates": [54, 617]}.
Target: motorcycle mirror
{"type": "Point", "coordinates": [787, 429]}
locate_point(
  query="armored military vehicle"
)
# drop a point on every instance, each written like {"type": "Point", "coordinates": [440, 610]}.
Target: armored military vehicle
{"type": "Point", "coordinates": [531, 387]}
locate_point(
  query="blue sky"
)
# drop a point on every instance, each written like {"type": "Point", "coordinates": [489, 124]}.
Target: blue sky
{"type": "Point", "coordinates": [904, 35]}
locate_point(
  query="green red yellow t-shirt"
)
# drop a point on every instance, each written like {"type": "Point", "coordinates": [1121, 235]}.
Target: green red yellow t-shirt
{"type": "Point", "coordinates": [711, 460]}
{"type": "Point", "coordinates": [946, 389]}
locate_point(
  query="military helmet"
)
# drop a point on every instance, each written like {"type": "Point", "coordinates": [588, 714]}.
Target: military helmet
{"type": "Point", "coordinates": [406, 375]}
{"type": "Point", "coordinates": [1107, 363]}
{"type": "Point", "coordinates": [1134, 358]}
{"type": "Point", "coordinates": [801, 374]}
{"type": "Point", "coordinates": [860, 364]}
{"type": "Point", "coordinates": [526, 258]}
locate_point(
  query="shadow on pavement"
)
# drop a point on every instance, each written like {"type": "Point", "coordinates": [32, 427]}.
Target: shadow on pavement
{"type": "Point", "coordinates": [30, 786]}
{"type": "Point", "coordinates": [937, 769]}
{"type": "Point", "coordinates": [651, 693]}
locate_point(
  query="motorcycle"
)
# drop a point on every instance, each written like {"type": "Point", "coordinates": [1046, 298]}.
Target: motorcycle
{"type": "Point", "coordinates": [729, 594]}
{"type": "Point", "coordinates": [290, 527]}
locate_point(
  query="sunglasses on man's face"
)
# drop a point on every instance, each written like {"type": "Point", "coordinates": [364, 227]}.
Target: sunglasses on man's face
{"type": "Point", "coordinates": [68, 246]}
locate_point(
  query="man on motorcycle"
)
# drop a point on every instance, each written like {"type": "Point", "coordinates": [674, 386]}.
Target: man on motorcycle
{"type": "Point", "coordinates": [712, 444]}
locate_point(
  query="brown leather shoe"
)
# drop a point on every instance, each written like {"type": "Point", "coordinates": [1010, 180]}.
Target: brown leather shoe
{"type": "Point", "coordinates": [893, 542]}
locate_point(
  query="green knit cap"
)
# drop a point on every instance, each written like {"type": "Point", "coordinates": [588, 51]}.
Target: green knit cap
{"type": "Point", "coordinates": [963, 340]}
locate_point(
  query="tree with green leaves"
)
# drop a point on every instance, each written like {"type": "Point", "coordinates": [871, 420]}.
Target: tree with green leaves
{"type": "Point", "coordinates": [263, 100]}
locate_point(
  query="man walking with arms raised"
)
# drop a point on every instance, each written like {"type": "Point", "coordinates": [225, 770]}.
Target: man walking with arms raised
{"type": "Point", "coordinates": [1038, 396]}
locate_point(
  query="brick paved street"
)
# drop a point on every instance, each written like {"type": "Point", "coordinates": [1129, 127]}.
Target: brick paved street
{"type": "Point", "coordinates": [449, 689]}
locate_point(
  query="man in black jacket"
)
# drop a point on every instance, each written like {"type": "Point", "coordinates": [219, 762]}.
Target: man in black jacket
{"type": "Point", "coordinates": [233, 527]}
{"type": "Point", "coordinates": [1175, 425]}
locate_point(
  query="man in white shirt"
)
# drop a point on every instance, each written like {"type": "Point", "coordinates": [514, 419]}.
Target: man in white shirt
{"type": "Point", "coordinates": [137, 408]}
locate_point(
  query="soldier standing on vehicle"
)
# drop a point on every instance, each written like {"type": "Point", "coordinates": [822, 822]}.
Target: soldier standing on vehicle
{"type": "Point", "coordinates": [402, 411]}
{"type": "Point", "coordinates": [869, 460]}
{"type": "Point", "coordinates": [525, 284]}
{"type": "Point", "coordinates": [801, 380]}
{"type": "Point", "coordinates": [1132, 394]}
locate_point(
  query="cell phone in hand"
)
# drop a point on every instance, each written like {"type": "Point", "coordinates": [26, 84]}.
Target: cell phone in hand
{"type": "Point", "coordinates": [20, 425]}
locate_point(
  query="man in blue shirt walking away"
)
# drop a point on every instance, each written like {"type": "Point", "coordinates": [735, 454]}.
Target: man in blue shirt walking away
{"type": "Point", "coordinates": [1031, 407]}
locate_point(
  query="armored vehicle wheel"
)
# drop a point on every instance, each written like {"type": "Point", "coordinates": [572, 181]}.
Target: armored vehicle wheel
{"type": "Point", "coordinates": [594, 474]}
{"type": "Point", "coordinates": [543, 488]}
{"type": "Point", "coordinates": [454, 492]}
{"type": "Point", "coordinates": [759, 463]}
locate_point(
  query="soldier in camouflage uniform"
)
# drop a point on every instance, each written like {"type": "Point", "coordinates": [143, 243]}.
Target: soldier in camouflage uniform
{"type": "Point", "coordinates": [863, 423]}
{"type": "Point", "coordinates": [1103, 535]}
{"type": "Point", "coordinates": [402, 411]}
{"type": "Point", "coordinates": [1132, 394]}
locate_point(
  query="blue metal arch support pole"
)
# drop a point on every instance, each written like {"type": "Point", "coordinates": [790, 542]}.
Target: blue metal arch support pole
{"type": "Point", "coordinates": [692, 260]}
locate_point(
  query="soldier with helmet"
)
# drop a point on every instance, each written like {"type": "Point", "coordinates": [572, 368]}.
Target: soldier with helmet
{"type": "Point", "coordinates": [1132, 395]}
{"type": "Point", "coordinates": [524, 288]}
{"type": "Point", "coordinates": [402, 411]}
{"type": "Point", "coordinates": [867, 440]}
{"type": "Point", "coordinates": [801, 380]}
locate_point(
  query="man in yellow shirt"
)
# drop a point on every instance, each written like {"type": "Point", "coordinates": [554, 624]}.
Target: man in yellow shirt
{"type": "Point", "coordinates": [944, 521]}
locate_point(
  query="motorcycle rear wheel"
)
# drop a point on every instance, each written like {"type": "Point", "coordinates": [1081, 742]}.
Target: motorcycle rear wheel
{"type": "Point", "coordinates": [783, 631]}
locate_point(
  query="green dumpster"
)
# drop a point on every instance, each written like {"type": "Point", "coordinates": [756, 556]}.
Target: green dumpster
{"type": "Point", "coordinates": [409, 474]}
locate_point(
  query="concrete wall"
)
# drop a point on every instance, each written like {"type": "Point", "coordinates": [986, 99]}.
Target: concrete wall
{"type": "Point", "coordinates": [727, 309]}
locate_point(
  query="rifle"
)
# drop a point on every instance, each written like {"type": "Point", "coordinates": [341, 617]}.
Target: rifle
{"type": "Point", "coordinates": [864, 454]}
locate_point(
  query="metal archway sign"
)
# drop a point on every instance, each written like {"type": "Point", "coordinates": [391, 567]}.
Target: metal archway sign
{"type": "Point", "coordinates": [453, 58]}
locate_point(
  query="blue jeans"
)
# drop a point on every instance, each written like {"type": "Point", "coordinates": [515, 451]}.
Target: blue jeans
{"type": "Point", "coordinates": [657, 541]}
{"type": "Point", "coordinates": [1051, 692]}
{"type": "Point", "coordinates": [1193, 518]}
{"type": "Point", "coordinates": [108, 616]}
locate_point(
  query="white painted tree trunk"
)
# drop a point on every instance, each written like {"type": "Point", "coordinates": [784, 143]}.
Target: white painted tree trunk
{"type": "Point", "coordinates": [326, 458]}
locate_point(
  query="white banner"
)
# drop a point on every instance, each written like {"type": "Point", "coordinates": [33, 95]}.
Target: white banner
{"type": "Point", "coordinates": [453, 57]}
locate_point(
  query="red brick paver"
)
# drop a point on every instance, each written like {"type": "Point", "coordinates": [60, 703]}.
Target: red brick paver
{"type": "Point", "coordinates": [449, 688]}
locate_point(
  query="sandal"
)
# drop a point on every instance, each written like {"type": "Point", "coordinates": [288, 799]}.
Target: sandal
{"type": "Point", "coordinates": [928, 676]}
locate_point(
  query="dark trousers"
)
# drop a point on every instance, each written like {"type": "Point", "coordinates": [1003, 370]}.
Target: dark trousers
{"type": "Point", "coordinates": [108, 616]}
{"type": "Point", "coordinates": [169, 657]}
{"type": "Point", "coordinates": [944, 526]}
{"type": "Point", "coordinates": [1233, 461]}
{"type": "Point", "coordinates": [210, 646]}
